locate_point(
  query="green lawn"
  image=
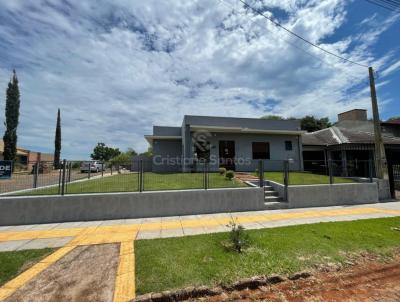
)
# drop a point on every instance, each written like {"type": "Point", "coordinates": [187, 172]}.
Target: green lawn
{"type": "Point", "coordinates": [152, 182]}
{"type": "Point", "coordinates": [13, 263]}
{"type": "Point", "coordinates": [164, 264]}
{"type": "Point", "coordinates": [304, 178]}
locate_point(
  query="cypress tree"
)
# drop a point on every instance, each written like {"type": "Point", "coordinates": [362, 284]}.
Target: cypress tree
{"type": "Point", "coordinates": [57, 142]}
{"type": "Point", "coordinates": [12, 116]}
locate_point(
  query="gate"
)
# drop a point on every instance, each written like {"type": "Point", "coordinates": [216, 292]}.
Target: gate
{"type": "Point", "coordinates": [394, 178]}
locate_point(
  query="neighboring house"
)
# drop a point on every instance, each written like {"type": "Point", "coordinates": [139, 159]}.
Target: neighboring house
{"type": "Point", "coordinates": [235, 143]}
{"type": "Point", "coordinates": [350, 140]}
{"type": "Point", "coordinates": [28, 158]}
{"type": "Point", "coordinates": [391, 127]}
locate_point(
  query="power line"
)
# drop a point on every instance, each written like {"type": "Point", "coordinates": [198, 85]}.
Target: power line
{"type": "Point", "coordinates": [386, 5]}
{"type": "Point", "coordinates": [298, 36]}
{"type": "Point", "coordinates": [390, 5]}
{"type": "Point", "coordinates": [305, 51]}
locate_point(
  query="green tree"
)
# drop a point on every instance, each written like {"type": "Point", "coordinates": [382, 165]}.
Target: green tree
{"type": "Point", "coordinates": [311, 124]}
{"type": "Point", "coordinates": [273, 117]}
{"type": "Point", "coordinates": [393, 118]}
{"type": "Point", "coordinates": [148, 153]}
{"type": "Point", "coordinates": [57, 142]}
{"type": "Point", "coordinates": [12, 117]}
{"type": "Point", "coordinates": [131, 152]}
{"type": "Point", "coordinates": [104, 153]}
{"type": "Point", "coordinates": [122, 158]}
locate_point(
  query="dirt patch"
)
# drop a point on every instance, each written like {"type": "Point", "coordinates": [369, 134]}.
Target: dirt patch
{"type": "Point", "coordinates": [87, 273]}
{"type": "Point", "coordinates": [365, 281]}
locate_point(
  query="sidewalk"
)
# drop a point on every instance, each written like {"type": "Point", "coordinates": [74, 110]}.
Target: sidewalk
{"type": "Point", "coordinates": [61, 234]}
{"type": "Point", "coordinates": [75, 238]}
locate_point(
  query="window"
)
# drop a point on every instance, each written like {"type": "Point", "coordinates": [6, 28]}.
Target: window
{"type": "Point", "coordinates": [260, 150]}
{"type": "Point", "coordinates": [288, 146]}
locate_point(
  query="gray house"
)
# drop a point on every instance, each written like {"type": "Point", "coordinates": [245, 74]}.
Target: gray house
{"type": "Point", "coordinates": [235, 143]}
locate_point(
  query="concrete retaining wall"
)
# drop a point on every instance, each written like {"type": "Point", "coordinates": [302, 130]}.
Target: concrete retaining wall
{"type": "Point", "coordinates": [336, 194]}
{"type": "Point", "coordinates": [86, 207]}
{"type": "Point", "coordinates": [383, 189]}
{"type": "Point", "coordinates": [332, 195]}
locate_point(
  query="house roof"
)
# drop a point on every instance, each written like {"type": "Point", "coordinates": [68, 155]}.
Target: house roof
{"type": "Point", "coordinates": [392, 122]}
{"type": "Point", "coordinates": [20, 151]}
{"type": "Point", "coordinates": [151, 138]}
{"type": "Point", "coordinates": [218, 122]}
{"type": "Point", "coordinates": [337, 136]}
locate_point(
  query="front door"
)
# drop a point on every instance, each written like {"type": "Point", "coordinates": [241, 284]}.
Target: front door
{"type": "Point", "coordinates": [227, 154]}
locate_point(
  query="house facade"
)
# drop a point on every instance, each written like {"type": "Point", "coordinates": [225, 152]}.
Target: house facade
{"type": "Point", "coordinates": [27, 158]}
{"type": "Point", "coordinates": [235, 143]}
{"type": "Point", "coordinates": [350, 145]}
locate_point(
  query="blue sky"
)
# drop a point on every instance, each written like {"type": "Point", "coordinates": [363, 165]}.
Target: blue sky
{"type": "Point", "coordinates": [115, 68]}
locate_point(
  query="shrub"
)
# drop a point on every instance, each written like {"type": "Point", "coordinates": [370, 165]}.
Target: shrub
{"type": "Point", "coordinates": [221, 171]}
{"type": "Point", "coordinates": [76, 165]}
{"type": "Point", "coordinates": [238, 238]}
{"type": "Point", "coordinates": [230, 174]}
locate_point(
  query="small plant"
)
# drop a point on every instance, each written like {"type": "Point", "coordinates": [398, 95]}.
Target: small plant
{"type": "Point", "coordinates": [229, 175]}
{"type": "Point", "coordinates": [221, 171]}
{"type": "Point", "coordinates": [238, 237]}
{"type": "Point", "coordinates": [76, 165]}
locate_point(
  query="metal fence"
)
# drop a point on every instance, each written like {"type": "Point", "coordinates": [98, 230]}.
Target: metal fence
{"type": "Point", "coordinates": [77, 177]}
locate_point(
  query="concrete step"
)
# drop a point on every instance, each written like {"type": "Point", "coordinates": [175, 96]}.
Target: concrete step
{"type": "Point", "coordinates": [272, 198]}
{"type": "Point", "coordinates": [276, 205]}
{"type": "Point", "coordinates": [271, 193]}
{"type": "Point", "coordinates": [268, 188]}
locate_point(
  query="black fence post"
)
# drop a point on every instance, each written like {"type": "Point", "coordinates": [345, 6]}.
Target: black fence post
{"type": "Point", "coordinates": [36, 174]}
{"type": "Point", "coordinates": [59, 179]}
{"type": "Point", "coordinates": [111, 168]}
{"type": "Point", "coordinates": [63, 178]}
{"type": "Point", "coordinates": [370, 167]}
{"type": "Point", "coordinates": [208, 175]}
{"type": "Point", "coordinates": [90, 169]}
{"type": "Point", "coordinates": [205, 176]}
{"type": "Point", "coordinates": [141, 185]}
{"type": "Point", "coordinates": [330, 171]}
{"type": "Point", "coordinates": [286, 178]}
{"type": "Point", "coordinates": [261, 173]}
{"type": "Point", "coordinates": [69, 171]}
{"type": "Point", "coordinates": [102, 169]}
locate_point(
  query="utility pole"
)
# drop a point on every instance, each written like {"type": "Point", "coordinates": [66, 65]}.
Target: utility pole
{"type": "Point", "coordinates": [380, 157]}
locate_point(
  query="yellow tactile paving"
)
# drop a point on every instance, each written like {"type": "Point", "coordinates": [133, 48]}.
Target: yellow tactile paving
{"type": "Point", "coordinates": [126, 234]}
{"type": "Point", "coordinates": [389, 211]}
{"type": "Point", "coordinates": [104, 234]}
{"type": "Point", "coordinates": [11, 286]}
{"type": "Point", "coordinates": [125, 282]}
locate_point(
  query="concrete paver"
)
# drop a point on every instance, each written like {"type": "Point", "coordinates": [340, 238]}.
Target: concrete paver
{"type": "Point", "coordinates": [7, 246]}
{"type": "Point", "coordinates": [44, 243]}
{"type": "Point", "coordinates": [124, 231]}
{"type": "Point", "coordinates": [53, 235]}
{"type": "Point", "coordinates": [148, 235]}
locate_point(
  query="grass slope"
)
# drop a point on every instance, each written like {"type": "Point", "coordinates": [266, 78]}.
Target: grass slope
{"type": "Point", "coordinates": [163, 264]}
{"type": "Point", "coordinates": [152, 182]}
{"type": "Point", "coordinates": [13, 263]}
{"type": "Point", "coordinates": [304, 178]}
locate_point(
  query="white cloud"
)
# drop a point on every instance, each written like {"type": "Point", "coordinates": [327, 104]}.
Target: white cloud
{"type": "Point", "coordinates": [116, 68]}
{"type": "Point", "coordinates": [392, 68]}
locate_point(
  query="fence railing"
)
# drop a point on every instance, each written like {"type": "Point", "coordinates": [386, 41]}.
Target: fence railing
{"type": "Point", "coordinates": [315, 172]}
{"type": "Point", "coordinates": [76, 177]}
